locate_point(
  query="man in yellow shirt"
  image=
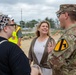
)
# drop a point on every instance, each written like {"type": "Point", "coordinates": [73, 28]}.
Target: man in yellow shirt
{"type": "Point", "coordinates": [16, 35]}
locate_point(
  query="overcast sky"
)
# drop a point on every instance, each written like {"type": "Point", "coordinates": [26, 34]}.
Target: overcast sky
{"type": "Point", "coordinates": [32, 9]}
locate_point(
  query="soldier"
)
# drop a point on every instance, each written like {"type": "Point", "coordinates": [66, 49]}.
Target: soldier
{"type": "Point", "coordinates": [63, 57]}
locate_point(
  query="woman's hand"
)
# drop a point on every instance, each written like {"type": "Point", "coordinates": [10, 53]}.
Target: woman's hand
{"type": "Point", "coordinates": [50, 47]}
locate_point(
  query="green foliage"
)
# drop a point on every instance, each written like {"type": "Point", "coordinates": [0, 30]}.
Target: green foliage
{"type": "Point", "coordinates": [57, 23]}
{"type": "Point", "coordinates": [51, 21]}
{"type": "Point", "coordinates": [22, 24]}
{"type": "Point", "coordinates": [31, 23]}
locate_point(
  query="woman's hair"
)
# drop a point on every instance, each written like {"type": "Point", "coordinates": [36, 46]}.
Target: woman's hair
{"type": "Point", "coordinates": [38, 26]}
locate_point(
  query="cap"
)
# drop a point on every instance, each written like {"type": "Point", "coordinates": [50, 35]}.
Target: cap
{"type": "Point", "coordinates": [67, 7]}
{"type": "Point", "coordinates": [10, 16]}
{"type": "Point", "coordinates": [4, 20]}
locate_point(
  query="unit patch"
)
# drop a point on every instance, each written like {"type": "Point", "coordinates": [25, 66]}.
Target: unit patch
{"type": "Point", "coordinates": [61, 45]}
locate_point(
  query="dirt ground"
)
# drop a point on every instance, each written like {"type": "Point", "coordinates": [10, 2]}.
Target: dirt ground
{"type": "Point", "coordinates": [26, 43]}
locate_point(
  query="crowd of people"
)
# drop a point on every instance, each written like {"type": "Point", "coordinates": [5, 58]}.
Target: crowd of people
{"type": "Point", "coordinates": [45, 56]}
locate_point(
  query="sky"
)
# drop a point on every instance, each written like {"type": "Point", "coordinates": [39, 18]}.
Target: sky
{"type": "Point", "coordinates": [32, 9]}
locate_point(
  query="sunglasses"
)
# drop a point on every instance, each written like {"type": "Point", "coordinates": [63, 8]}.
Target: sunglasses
{"type": "Point", "coordinates": [11, 25]}
{"type": "Point", "coordinates": [14, 25]}
{"type": "Point", "coordinates": [58, 14]}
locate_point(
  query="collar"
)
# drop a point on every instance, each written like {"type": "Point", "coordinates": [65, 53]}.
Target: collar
{"type": "Point", "coordinates": [73, 25]}
{"type": "Point", "coordinates": [2, 38]}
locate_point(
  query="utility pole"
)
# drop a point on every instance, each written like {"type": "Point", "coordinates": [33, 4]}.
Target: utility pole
{"type": "Point", "coordinates": [22, 23]}
{"type": "Point", "coordinates": [21, 18]}
{"type": "Point", "coordinates": [21, 14]}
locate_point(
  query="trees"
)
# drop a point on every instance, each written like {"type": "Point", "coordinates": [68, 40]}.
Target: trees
{"type": "Point", "coordinates": [57, 23]}
{"type": "Point", "coordinates": [32, 23]}
{"type": "Point", "coordinates": [51, 21]}
{"type": "Point", "coordinates": [22, 24]}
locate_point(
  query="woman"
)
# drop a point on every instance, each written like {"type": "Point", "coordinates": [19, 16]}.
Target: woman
{"type": "Point", "coordinates": [40, 47]}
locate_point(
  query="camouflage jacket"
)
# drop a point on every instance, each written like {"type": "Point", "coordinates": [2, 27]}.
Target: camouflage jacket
{"type": "Point", "coordinates": [63, 57]}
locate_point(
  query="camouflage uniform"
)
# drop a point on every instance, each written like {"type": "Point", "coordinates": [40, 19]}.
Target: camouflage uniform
{"type": "Point", "coordinates": [63, 57]}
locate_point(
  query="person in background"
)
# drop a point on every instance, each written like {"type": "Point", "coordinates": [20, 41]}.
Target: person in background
{"type": "Point", "coordinates": [63, 57]}
{"type": "Point", "coordinates": [13, 61]}
{"type": "Point", "coordinates": [39, 48]}
{"type": "Point", "coordinates": [19, 35]}
{"type": "Point", "coordinates": [16, 35]}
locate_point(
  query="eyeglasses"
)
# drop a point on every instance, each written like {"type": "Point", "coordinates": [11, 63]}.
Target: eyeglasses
{"type": "Point", "coordinates": [11, 25]}
{"type": "Point", "coordinates": [14, 25]}
{"type": "Point", "coordinates": [58, 14]}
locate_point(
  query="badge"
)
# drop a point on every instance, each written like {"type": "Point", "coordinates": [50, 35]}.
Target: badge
{"type": "Point", "coordinates": [61, 45]}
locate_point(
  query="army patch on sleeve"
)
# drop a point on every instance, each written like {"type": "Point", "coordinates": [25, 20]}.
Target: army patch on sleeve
{"type": "Point", "coordinates": [61, 45]}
